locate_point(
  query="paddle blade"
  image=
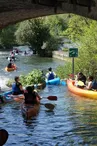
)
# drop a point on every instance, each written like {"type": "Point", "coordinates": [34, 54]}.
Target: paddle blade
{"type": "Point", "coordinates": [49, 106]}
{"type": "Point", "coordinates": [52, 97]}
{"type": "Point", "coordinates": [3, 136]}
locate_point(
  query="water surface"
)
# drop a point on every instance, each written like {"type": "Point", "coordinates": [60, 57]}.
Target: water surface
{"type": "Point", "coordinates": [73, 122]}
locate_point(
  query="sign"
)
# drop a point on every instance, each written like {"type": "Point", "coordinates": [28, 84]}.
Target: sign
{"type": "Point", "coordinates": [73, 52]}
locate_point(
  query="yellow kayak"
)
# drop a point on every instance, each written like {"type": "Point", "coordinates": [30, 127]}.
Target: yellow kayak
{"type": "Point", "coordinates": [11, 69]}
{"type": "Point", "coordinates": [80, 92]}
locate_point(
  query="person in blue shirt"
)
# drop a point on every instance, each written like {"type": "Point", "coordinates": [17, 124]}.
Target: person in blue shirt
{"type": "Point", "coordinates": [51, 74]}
{"type": "Point", "coordinates": [17, 87]}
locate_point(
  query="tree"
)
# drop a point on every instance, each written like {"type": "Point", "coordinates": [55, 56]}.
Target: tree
{"type": "Point", "coordinates": [76, 25]}
{"type": "Point", "coordinates": [56, 24]}
{"type": "Point", "coordinates": [33, 32]}
{"type": "Point", "coordinates": [87, 60]}
{"type": "Point", "coordinates": [7, 37]}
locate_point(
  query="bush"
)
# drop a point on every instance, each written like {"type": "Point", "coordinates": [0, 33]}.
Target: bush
{"type": "Point", "coordinates": [64, 71]}
{"type": "Point", "coordinates": [35, 77]}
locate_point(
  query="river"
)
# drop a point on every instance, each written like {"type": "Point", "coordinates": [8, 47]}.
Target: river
{"type": "Point", "coordinates": [73, 122]}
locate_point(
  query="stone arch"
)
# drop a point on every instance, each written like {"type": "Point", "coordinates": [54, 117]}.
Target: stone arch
{"type": "Point", "coordinates": [14, 11]}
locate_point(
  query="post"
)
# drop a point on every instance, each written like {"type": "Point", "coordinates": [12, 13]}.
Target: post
{"type": "Point", "coordinates": [72, 68]}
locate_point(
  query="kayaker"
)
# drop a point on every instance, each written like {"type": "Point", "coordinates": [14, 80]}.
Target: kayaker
{"type": "Point", "coordinates": [31, 96]}
{"type": "Point", "coordinates": [50, 75]}
{"type": "Point", "coordinates": [80, 80]}
{"type": "Point", "coordinates": [81, 77]}
{"type": "Point", "coordinates": [10, 65]}
{"type": "Point", "coordinates": [17, 87]}
{"type": "Point", "coordinates": [92, 84]}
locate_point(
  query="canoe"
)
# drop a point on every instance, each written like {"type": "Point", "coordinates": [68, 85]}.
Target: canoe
{"type": "Point", "coordinates": [11, 69]}
{"type": "Point", "coordinates": [7, 96]}
{"type": "Point", "coordinates": [80, 92]}
{"type": "Point", "coordinates": [55, 81]}
{"type": "Point", "coordinates": [29, 110]}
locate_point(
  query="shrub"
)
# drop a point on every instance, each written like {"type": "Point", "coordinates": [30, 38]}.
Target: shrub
{"type": "Point", "coordinates": [34, 77]}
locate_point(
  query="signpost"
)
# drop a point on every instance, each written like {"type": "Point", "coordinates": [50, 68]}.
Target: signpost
{"type": "Point", "coordinates": [73, 52]}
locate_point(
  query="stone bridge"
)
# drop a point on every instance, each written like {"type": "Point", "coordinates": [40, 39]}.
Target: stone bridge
{"type": "Point", "coordinates": [13, 11]}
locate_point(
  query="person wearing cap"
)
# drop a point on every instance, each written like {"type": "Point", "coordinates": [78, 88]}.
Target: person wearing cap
{"type": "Point", "coordinates": [51, 74]}
{"type": "Point", "coordinates": [31, 96]}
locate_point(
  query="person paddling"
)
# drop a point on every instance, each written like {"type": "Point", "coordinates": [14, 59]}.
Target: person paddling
{"type": "Point", "coordinates": [31, 96]}
{"type": "Point", "coordinates": [17, 87]}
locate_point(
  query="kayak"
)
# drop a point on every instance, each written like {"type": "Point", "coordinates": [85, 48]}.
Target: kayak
{"type": "Point", "coordinates": [11, 69]}
{"type": "Point", "coordinates": [29, 110]}
{"type": "Point", "coordinates": [55, 81]}
{"type": "Point", "coordinates": [79, 91]}
{"type": "Point", "coordinates": [63, 83]}
{"type": "Point", "coordinates": [7, 97]}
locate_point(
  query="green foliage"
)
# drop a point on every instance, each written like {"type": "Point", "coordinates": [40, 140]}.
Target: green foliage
{"type": "Point", "coordinates": [33, 32]}
{"type": "Point", "coordinates": [56, 24]}
{"type": "Point", "coordinates": [64, 71]}
{"type": "Point", "coordinates": [76, 26]}
{"type": "Point", "coordinates": [7, 38]}
{"type": "Point", "coordinates": [87, 60]}
{"type": "Point", "coordinates": [34, 77]}
{"type": "Point", "coordinates": [83, 31]}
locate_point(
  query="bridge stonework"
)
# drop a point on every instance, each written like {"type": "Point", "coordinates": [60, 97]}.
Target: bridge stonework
{"type": "Point", "coordinates": [13, 11]}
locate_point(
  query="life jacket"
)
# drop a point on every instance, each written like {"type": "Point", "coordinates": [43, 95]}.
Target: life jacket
{"type": "Point", "coordinates": [51, 76]}
{"type": "Point", "coordinates": [15, 88]}
{"type": "Point", "coordinates": [94, 85]}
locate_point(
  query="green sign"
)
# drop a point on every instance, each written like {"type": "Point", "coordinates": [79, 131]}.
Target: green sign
{"type": "Point", "coordinates": [73, 52]}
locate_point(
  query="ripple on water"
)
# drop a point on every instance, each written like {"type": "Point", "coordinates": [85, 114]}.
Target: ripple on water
{"type": "Point", "coordinates": [73, 122]}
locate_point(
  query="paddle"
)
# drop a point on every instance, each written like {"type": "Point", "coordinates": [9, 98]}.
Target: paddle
{"type": "Point", "coordinates": [48, 105]}
{"type": "Point", "coordinates": [51, 97]}
{"type": "Point", "coordinates": [3, 136]}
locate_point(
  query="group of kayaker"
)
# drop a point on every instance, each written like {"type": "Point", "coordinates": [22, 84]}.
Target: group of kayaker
{"type": "Point", "coordinates": [30, 95]}
{"type": "Point", "coordinates": [80, 81]}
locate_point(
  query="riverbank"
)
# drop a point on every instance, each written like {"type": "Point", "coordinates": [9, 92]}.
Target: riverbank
{"type": "Point", "coordinates": [61, 55]}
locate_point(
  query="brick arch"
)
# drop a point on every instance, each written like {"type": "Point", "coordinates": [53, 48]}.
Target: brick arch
{"type": "Point", "coordinates": [14, 11]}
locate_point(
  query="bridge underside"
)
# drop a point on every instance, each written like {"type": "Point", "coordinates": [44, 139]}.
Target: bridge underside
{"type": "Point", "coordinates": [12, 11]}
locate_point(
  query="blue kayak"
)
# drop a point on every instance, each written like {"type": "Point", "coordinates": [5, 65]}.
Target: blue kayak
{"type": "Point", "coordinates": [63, 83]}
{"type": "Point", "coordinates": [55, 81]}
{"type": "Point", "coordinates": [6, 96]}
